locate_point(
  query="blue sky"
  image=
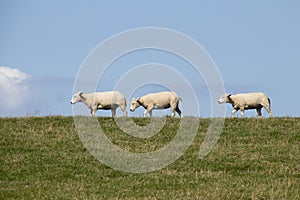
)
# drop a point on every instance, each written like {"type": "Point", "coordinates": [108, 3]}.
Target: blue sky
{"type": "Point", "coordinates": [254, 44]}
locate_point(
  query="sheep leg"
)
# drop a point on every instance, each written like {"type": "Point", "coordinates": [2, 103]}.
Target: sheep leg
{"type": "Point", "coordinates": [148, 110]}
{"type": "Point", "coordinates": [242, 113]}
{"type": "Point", "coordinates": [173, 113]}
{"type": "Point", "coordinates": [113, 112]}
{"type": "Point", "coordinates": [173, 108]}
{"type": "Point", "coordinates": [233, 112]}
{"type": "Point", "coordinates": [258, 110]}
{"type": "Point", "coordinates": [93, 111]}
{"type": "Point", "coordinates": [271, 114]}
{"type": "Point", "coordinates": [268, 110]}
{"type": "Point", "coordinates": [145, 113]}
{"type": "Point", "coordinates": [123, 108]}
{"type": "Point", "coordinates": [178, 111]}
{"type": "Point", "coordinates": [150, 113]}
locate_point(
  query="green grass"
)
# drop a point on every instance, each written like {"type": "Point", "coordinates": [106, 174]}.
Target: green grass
{"type": "Point", "coordinates": [43, 158]}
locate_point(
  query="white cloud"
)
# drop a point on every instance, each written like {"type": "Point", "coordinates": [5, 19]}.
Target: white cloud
{"type": "Point", "coordinates": [15, 91]}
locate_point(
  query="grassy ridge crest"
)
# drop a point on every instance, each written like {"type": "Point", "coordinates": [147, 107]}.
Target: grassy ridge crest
{"type": "Point", "coordinates": [43, 158]}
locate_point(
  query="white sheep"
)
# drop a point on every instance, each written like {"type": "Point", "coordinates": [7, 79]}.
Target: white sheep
{"type": "Point", "coordinates": [247, 101]}
{"type": "Point", "coordinates": [161, 100]}
{"type": "Point", "coordinates": [109, 100]}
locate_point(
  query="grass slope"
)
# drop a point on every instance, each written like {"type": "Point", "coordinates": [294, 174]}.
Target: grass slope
{"type": "Point", "coordinates": [43, 158]}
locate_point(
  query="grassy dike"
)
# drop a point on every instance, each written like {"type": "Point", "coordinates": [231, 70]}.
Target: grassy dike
{"type": "Point", "coordinates": [43, 158]}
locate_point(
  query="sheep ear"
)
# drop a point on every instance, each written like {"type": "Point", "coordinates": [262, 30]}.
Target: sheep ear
{"type": "Point", "coordinates": [80, 94]}
{"type": "Point", "coordinates": [138, 100]}
{"type": "Point", "coordinates": [229, 95]}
